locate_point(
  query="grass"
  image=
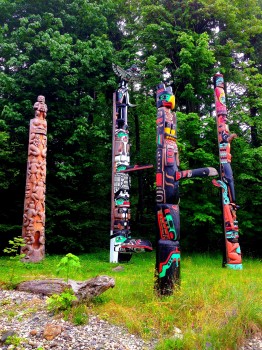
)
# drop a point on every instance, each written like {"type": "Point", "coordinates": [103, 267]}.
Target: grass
{"type": "Point", "coordinates": [215, 308]}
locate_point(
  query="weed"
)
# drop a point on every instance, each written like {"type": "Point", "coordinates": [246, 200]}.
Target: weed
{"type": "Point", "coordinates": [15, 257]}
{"type": "Point", "coordinates": [68, 263]}
{"type": "Point", "coordinates": [79, 315]}
{"type": "Point", "coordinates": [11, 314]}
{"type": "Point", "coordinates": [14, 340]}
{"type": "Point", "coordinates": [76, 314]}
{"type": "Point", "coordinates": [170, 344]}
{"type": "Point", "coordinates": [61, 302]}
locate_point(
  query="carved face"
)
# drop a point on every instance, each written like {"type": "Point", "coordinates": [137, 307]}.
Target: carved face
{"type": "Point", "coordinates": [165, 97]}
{"type": "Point", "coordinates": [41, 98]}
{"type": "Point", "coordinates": [219, 81]}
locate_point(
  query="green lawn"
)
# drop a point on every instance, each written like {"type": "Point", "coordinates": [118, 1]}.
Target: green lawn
{"type": "Point", "coordinates": [215, 308]}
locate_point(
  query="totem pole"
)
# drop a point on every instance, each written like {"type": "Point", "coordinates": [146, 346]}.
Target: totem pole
{"type": "Point", "coordinates": [121, 244]}
{"type": "Point", "coordinates": [232, 257]}
{"type": "Point", "coordinates": [33, 230]}
{"type": "Point", "coordinates": [167, 193]}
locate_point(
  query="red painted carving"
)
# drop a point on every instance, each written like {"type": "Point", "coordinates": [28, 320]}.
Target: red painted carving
{"type": "Point", "coordinates": [33, 230]}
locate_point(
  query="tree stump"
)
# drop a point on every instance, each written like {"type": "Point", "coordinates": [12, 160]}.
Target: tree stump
{"type": "Point", "coordinates": [84, 290]}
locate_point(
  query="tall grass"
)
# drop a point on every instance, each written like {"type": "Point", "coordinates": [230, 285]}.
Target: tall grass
{"type": "Point", "coordinates": [215, 308]}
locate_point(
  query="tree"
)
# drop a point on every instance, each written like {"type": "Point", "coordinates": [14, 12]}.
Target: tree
{"type": "Point", "coordinates": [64, 49]}
{"type": "Point", "coordinates": [187, 42]}
{"type": "Point", "coordinates": [68, 60]}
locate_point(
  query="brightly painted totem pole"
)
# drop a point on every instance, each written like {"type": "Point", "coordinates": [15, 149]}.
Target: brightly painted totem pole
{"type": "Point", "coordinates": [33, 230]}
{"type": "Point", "coordinates": [122, 246]}
{"type": "Point", "coordinates": [167, 193]}
{"type": "Point", "coordinates": [232, 257]}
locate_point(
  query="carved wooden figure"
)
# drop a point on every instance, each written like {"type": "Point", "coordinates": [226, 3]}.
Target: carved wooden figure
{"type": "Point", "coordinates": [167, 193]}
{"type": "Point", "coordinates": [33, 229]}
{"type": "Point", "coordinates": [232, 258]}
{"type": "Point", "coordinates": [122, 246]}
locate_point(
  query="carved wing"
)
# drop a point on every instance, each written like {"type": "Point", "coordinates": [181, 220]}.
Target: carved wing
{"type": "Point", "coordinates": [119, 71]}
{"type": "Point", "coordinates": [127, 75]}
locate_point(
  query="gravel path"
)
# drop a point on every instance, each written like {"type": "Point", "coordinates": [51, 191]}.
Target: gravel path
{"type": "Point", "coordinates": [253, 344]}
{"type": "Point", "coordinates": [25, 315]}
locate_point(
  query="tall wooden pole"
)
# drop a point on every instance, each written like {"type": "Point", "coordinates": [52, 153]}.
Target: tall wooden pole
{"type": "Point", "coordinates": [122, 245]}
{"type": "Point", "coordinates": [167, 195]}
{"type": "Point", "coordinates": [168, 255]}
{"type": "Point", "coordinates": [233, 258]}
{"type": "Point", "coordinates": [33, 229]}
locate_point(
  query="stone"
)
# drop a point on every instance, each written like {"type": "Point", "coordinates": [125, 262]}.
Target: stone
{"type": "Point", "coordinates": [6, 334]}
{"type": "Point", "coordinates": [33, 332]}
{"type": "Point", "coordinates": [177, 333]}
{"type": "Point", "coordinates": [118, 268]}
{"type": "Point", "coordinates": [51, 331]}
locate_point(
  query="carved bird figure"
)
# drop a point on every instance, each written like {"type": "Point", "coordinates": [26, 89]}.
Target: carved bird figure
{"type": "Point", "coordinates": [129, 75]}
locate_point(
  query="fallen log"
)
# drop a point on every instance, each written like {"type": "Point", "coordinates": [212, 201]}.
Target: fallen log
{"type": "Point", "coordinates": [84, 290]}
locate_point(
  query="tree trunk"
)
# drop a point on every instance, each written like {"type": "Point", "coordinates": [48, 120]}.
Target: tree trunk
{"type": "Point", "coordinates": [253, 128]}
{"type": "Point", "coordinates": [84, 291]}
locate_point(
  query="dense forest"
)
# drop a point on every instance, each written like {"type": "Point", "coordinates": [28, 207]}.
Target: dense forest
{"type": "Point", "coordinates": [64, 50]}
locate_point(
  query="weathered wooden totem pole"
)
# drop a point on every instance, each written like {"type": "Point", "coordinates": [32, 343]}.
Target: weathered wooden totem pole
{"type": "Point", "coordinates": [167, 193]}
{"type": "Point", "coordinates": [33, 230]}
{"type": "Point", "coordinates": [122, 246]}
{"type": "Point", "coordinates": [232, 257]}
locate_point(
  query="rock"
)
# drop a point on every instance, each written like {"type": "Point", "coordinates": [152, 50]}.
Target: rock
{"type": "Point", "coordinates": [118, 268]}
{"type": "Point", "coordinates": [33, 332]}
{"type": "Point", "coordinates": [51, 331]}
{"type": "Point", "coordinates": [54, 345]}
{"type": "Point", "coordinates": [6, 334]}
{"type": "Point", "coordinates": [177, 333]}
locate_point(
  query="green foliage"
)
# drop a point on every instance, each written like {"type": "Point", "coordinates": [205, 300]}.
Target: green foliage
{"type": "Point", "coordinates": [67, 264]}
{"type": "Point", "coordinates": [52, 54]}
{"type": "Point", "coordinates": [14, 255]}
{"type": "Point", "coordinates": [14, 340]}
{"type": "Point", "coordinates": [64, 50]}
{"type": "Point", "coordinates": [78, 314]}
{"type": "Point", "coordinates": [13, 251]}
{"type": "Point", "coordinates": [61, 302]}
{"type": "Point", "coordinates": [170, 344]}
